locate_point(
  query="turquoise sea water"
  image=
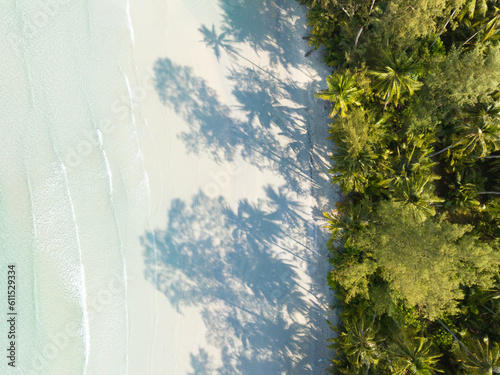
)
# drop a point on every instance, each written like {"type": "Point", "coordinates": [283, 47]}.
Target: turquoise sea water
{"type": "Point", "coordinates": [70, 182]}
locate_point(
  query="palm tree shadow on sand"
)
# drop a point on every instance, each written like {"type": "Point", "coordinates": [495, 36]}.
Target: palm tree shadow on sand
{"type": "Point", "coordinates": [242, 265]}
{"type": "Point", "coordinates": [267, 128]}
{"type": "Point", "coordinates": [240, 269]}
{"type": "Point", "coordinates": [272, 26]}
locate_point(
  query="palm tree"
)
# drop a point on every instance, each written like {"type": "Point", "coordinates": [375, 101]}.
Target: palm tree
{"type": "Point", "coordinates": [399, 76]}
{"type": "Point", "coordinates": [412, 154]}
{"type": "Point", "coordinates": [487, 21]}
{"type": "Point", "coordinates": [473, 8]}
{"type": "Point", "coordinates": [481, 16]}
{"type": "Point", "coordinates": [413, 356]}
{"type": "Point", "coordinates": [492, 26]}
{"type": "Point", "coordinates": [417, 191]}
{"type": "Point", "coordinates": [352, 174]}
{"type": "Point", "coordinates": [348, 220]}
{"type": "Point", "coordinates": [490, 303]}
{"type": "Point", "coordinates": [324, 3]}
{"type": "Point", "coordinates": [411, 174]}
{"type": "Point", "coordinates": [491, 294]}
{"type": "Point", "coordinates": [479, 137]}
{"type": "Point", "coordinates": [477, 130]}
{"type": "Point", "coordinates": [343, 91]}
{"type": "Point", "coordinates": [463, 197]}
{"type": "Point", "coordinates": [485, 112]}
{"type": "Point", "coordinates": [479, 357]}
{"type": "Point", "coordinates": [359, 344]}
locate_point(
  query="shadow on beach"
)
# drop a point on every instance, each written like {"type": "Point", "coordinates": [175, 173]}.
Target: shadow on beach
{"type": "Point", "coordinates": [215, 131]}
{"type": "Point", "coordinates": [273, 26]}
{"type": "Point", "coordinates": [243, 266]}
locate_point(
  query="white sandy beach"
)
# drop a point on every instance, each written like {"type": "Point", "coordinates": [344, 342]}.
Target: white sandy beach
{"type": "Point", "coordinates": [162, 180]}
{"type": "Point", "coordinates": [236, 158]}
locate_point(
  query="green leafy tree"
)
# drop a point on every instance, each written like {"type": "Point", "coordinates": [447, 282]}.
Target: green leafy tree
{"type": "Point", "coordinates": [462, 79]}
{"type": "Point", "coordinates": [353, 130]}
{"type": "Point", "coordinates": [392, 255]}
{"type": "Point", "coordinates": [361, 154]}
{"type": "Point", "coordinates": [424, 261]}
{"type": "Point", "coordinates": [403, 23]}
{"type": "Point", "coordinates": [359, 130]}
{"type": "Point", "coordinates": [354, 277]}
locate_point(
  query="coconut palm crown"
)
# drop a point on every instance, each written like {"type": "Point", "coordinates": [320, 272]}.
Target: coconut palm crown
{"type": "Point", "coordinates": [342, 91]}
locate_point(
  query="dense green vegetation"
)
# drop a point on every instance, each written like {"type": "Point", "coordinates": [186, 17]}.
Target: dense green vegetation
{"type": "Point", "coordinates": [415, 242]}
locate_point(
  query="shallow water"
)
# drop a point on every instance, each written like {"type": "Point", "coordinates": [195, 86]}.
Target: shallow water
{"type": "Point", "coordinates": [70, 181]}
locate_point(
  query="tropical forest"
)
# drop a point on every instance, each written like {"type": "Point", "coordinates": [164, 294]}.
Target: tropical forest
{"type": "Point", "coordinates": [414, 98]}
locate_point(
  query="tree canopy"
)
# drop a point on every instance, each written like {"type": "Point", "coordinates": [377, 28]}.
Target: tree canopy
{"type": "Point", "coordinates": [415, 102]}
{"type": "Point", "coordinates": [425, 262]}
